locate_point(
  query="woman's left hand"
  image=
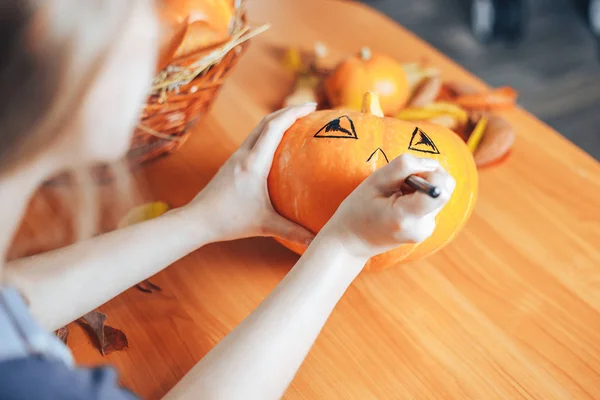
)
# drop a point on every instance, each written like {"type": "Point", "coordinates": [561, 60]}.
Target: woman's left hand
{"type": "Point", "coordinates": [236, 204]}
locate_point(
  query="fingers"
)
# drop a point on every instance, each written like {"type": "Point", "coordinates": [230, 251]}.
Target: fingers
{"type": "Point", "coordinates": [390, 178]}
{"type": "Point", "coordinates": [275, 127]}
{"type": "Point", "coordinates": [273, 131]}
{"type": "Point", "coordinates": [299, 111]}
{"type": "Point", "coordinates": [285, 229]}
{"type": "Point", "coordinates": [250, 141]}
{"type": "Point", "coordinates": [417, 212]}
{"type": "Point", "coordinates": [420, 204]}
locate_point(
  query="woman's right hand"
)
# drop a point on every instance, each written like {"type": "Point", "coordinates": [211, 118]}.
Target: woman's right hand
{"type": "Point", "coordinates": [382, 214]}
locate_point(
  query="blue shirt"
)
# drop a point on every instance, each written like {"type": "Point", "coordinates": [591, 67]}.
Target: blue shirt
{"type": "Point", "coordinates": [35, 364]}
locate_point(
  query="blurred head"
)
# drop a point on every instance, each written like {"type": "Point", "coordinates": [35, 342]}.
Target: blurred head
{"type": "Point", "coordinates": [73, 77]}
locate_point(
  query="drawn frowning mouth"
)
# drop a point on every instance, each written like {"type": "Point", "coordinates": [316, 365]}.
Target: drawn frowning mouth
{"type": "Point", "coordinates": [380, 151]}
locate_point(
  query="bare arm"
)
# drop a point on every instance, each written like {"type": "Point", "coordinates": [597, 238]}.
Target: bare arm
{"type": "Point", "coordinates": [65, 284]}
{"type": "Point", "coordinates": [260, 357]}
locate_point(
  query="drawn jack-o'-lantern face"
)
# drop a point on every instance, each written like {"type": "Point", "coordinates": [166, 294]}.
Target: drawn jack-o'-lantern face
{"type": "Point", "coordinates": [324, 156]}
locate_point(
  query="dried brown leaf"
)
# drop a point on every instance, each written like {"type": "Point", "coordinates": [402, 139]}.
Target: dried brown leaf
{"type": "Point", "coordinates": [109, 339]}
{"type": "Point", "coordinates": [115, 340]}
{"type": "Point", "coordinates": [96, 320]}
{"type": "Point", "coordinates": [456, 88]}
{"type": "Point", "coordinates": [496, 143]}
{"type": "Point", "coordinates": [148, 287]}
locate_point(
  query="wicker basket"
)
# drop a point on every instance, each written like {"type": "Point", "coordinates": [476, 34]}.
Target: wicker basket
{"type": "Point", "coordinates": [165, 123]}
{"type": "Point", "coordinates": [168, 115]}
{"type": "Point", "coordinates": [181, 94]}
{"type": "Point", "coordinates": [184, 91]}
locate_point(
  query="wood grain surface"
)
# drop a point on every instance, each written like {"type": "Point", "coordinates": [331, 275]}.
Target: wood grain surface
{"type": "Point", "coordinates": [509, 310]}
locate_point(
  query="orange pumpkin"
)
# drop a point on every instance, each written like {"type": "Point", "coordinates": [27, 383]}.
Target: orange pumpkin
{"type": "Point", "coordinates": [206, 24]}
{"type": "Point", "coordinates": [324, 156]}
{"type": "Point", "coordinates": [368, 72]}
{"type": "Point", "coordinates": [172, 35]}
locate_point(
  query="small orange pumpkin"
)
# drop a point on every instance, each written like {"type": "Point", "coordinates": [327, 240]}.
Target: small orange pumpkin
{"type": "Point", "coordinates": [324, 156]}
{"type": "Point", "coordinates": [172, 34]}
{"type": "Point", "coordinates": [192, 25]}
{"type": "Point", "coordinates": [368, 72]}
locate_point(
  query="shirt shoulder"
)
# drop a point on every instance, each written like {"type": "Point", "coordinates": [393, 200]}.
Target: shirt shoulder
{"type": "Point", "coordinates": [38, 378]}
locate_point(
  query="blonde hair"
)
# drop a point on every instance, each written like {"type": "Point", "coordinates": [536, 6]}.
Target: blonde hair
{"type": "Point", "coordinates": [50, 52]}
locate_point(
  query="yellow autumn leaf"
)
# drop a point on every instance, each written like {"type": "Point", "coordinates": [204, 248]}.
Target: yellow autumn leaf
{"type": "Point", "coordinates": [417, 114]}
{"type": "Point", "coordinates": [451, 109]}
{"type": "Point", "coordinates": [434, 110]}
{"type": "Point", "coordinates": [477, 135]}
{"type": "Point", "coordinates": [144, 212]}
{"type": "Point", "coordinates": [292, 61]}
{"type": "Point", "coordinates": [447, 121]}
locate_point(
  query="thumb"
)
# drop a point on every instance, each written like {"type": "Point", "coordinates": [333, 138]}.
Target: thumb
{"type": "Point", "coordinates": [285, 229]}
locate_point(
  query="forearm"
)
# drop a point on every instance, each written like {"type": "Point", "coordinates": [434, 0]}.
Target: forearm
{"type": "Point", "coordinates": [65, 284]}
{"type": "Point", "coordinates": [260, 357]}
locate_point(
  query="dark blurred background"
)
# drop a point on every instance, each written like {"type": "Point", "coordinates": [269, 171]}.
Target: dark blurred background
{"type": "Point", "coordinates": [546, 49]}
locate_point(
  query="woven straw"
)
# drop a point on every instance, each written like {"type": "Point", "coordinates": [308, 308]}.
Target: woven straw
{"type": "Point", "coordinates": [182, 94]}
{"type": "Point", "coordinates": [166, 119]}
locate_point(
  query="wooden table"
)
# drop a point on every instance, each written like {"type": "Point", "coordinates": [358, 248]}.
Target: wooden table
{"type": "Point", "coordinates": [509, 310]}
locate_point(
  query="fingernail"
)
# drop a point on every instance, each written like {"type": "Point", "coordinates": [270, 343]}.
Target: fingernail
{"type": "Point", "coordinates": [309, 104]}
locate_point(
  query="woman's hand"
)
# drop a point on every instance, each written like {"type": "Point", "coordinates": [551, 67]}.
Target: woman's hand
{"type": "Point", "coordinates": [383, 213]}
{"type": "Point", "coordinates": [236, 202]}
{"type": "Point", "coordinates": [273, 341]}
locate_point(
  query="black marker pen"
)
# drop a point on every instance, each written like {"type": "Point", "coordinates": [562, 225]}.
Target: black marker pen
{"type": "Point", "coordinates": [423, 186]}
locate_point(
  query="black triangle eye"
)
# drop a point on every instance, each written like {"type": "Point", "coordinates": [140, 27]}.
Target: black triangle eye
{"type": "Point", "coordinates": [339, 128]}
{"type": "Point", "coordinates": [421, 142]}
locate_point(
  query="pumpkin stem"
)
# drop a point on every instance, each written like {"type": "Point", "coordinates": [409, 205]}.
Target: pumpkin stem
{"type": "Point", "coordinates": [365, 54]}
{"type": "Point", "coordinates": [371, 104]}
